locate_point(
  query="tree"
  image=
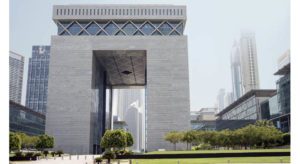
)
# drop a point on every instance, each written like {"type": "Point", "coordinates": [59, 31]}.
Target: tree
{"type": "Point", "coordinates": [44, 142]}
{"type": "Point", "coordinates": [14, 141]}
{"type": "Point", "coordinates": [129, 140]}
{"type": "Point", "coordinates": [114, 139]}
{"type": "Point", "coordinates": [27, 141]}
{"type": "Point", "coordinates": [286, 138]}
{"type": "Point", "coordinates": [264, 123]}
{"type": "Point", "coordinates": [189, 137]}
{"type": "Point", "coordinates": [173, 137]}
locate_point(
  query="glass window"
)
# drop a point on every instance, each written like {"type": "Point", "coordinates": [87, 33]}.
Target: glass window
{"type": "Point", "coordinates": [72, 12]}
{"type": "Point", "coordinates": [165, 28]}
{"type": "Point", "coordinates": [68, 11]}
{"type": "Point", "coordinates": [129, 29]}
{"type": "Point", "coordinates": [156, 23]}
{"type": "Point", "coordinates": [180, 28]}
{"type": "Point", "coordinates": [102, 23]}
{"type": "Point", "coordinates": [156, 33]}
{"type": "Point", "coordinates": [120, 33]}
{"type": "Point", "coordinates": [111, 29]}
{"type": "Point", "coordinates": [147, 29]}
{"type": "Point", "coordinates": [93, 28]}
{"type": "Point", "coordinates": [83, 33]}
{"type": "Point", "coordinates": [138, 33]}
{"type": "Point", "coordinates": [74, 29]}
{"type": "Point", "coordinates": [56, 11]}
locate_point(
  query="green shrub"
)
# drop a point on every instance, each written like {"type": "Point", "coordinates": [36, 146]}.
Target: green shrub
{"type": "Point", "coordinates": [59, 152]}
{"type": "Point", "coordinates": [53, 153]}
{"type": "Point", "coordinates": [286, 138]}
{"type": "Point", "coordinates": [128, 152]}
{"type": "Point", "coordinates": [15, 141]}
{"type": "Point", "coordinates": [109, 155]}
{"type": "Point", "coordinates": [37, 154]}
{"type": "Point", "coordinates": [29, 154]}
{"type": "Point", "coordinates": [19, 154]}
{"type": "Point", "coordinates": [98, 160]}
{"type": "Point", "coordinates": [203, 146]}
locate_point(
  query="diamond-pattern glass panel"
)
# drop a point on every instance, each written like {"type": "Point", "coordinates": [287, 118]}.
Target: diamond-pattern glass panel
{"type": "Point", "coordinates": [120, 33]}
{"type": "Point", "coordinates": [156, 33]}
{"type": "Point", "coordinates": [138, 33]}
{"type": "Point", "coordinates": [83, 24]}
{"type": "Point", "coordinates": [65, 33]}
{"type": "Point", "coordinates": [174, 23]}
{"type": "Point", "coordinates": [129, 29]}
{"type": "Point", "coordinates": [174, 33]}
{"type": "Point", "coordinates": [165, 28]}
{"type": "Point", "coordinates": [101, 33]}
{"type": "Point", "coordinates": [93, 28]}
{"type": "Point", "coordinates": [102, 23]}
{"type": "Point", "coordinates": [74, 29]}
{"type": "Point", "coordinates": [120, 23]}
{"type": "Point", "coordinates": [138, 24]}
{"type": "Point", "coordinates": [180, 28]}
{"type": "Point", "coordinates": [111, 28]}
{"type": "Point", "coordinates": [147, 29]}
{"type": "Point", "coordinates": [83, 33]}
{"type": "Point", "coordinates": [156, 23]}
{"type": "Point", "coordinates": [65, 24]}
{"type": "Point", "coordinates": [60, 29]}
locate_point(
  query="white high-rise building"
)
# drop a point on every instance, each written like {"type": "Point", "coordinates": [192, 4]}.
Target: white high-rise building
{"type": "Point", "coordinates": [220, 99]}
{"type": "Point", "coordinates": [130, 108]}
{"type": "Point", "coordinates": [244, 66]}
{"type": "Point", "coordinates": [16, 70]}
{"type": "Point", "coordinates": [228, 99]}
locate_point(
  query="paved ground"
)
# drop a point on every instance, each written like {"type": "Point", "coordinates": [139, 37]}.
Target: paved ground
{"type": "Point", "coordinates": [66, 160]}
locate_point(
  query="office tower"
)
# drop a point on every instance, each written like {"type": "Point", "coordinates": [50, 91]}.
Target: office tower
{"type": "Point", "coordinates": [37, 80]}
{"type": "Point", "coordinates": [220, 99]}
{"type": "Point", "coordinates": [228, 99]}
{"type": "Point", "coordinates": [16, 69]}
{"type": "Point", "coordinates": [125, 98]}
{"type": "Point", "coordinates": [244, 67]}
{"type": "Point", "coordinates": [103, 47]}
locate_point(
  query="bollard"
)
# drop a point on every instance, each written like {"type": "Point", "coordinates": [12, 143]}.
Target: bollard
{"type": "Point", "coordinates": [93, 157]}
{"type": "Point", "coordinates": [77, 157]}
{"type": "Point", "coordinates": [46, 157]}
{"type": "Point", "coordinates": [228, 161]}
{"type": "Point", "coordinates": [118, 161]}
{"type": "Point", "coordinates": [130, 161]}
{"type": "Point", "coordinates": [281, 160]}
{"type": "Point", "coordinates": [137, 162]}
{"type": "Point", "coordinates": [85, 157]}
{"type": "Point", "coordinates": [178, 162]}
{"type": "Point", "coordinates": [62, 157]}
{"type": "Point", "coordinates": [70, 157]}
{"type": "Point", "coordinates": [54, 157]}
{"type": "Point", "coordinates": [30, 158]}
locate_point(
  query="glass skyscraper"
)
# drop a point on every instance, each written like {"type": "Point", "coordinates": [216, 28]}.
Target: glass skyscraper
{"type": "Point", "coordinates": [244, 68]}
{"type": "Point", "coordinates": [37, 82]}
{"type": "Point", "coordinates": [16, 69]}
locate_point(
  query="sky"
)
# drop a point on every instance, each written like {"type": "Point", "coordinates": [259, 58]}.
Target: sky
{"type": "Point", "coordinates": [211, 27]}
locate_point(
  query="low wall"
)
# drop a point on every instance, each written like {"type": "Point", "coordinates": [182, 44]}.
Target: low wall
{"type": "Point", "coordinates": [203, 155]}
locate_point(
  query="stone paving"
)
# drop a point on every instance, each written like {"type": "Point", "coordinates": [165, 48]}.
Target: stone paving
{"type": "Point", "coordinates": [82, 159]}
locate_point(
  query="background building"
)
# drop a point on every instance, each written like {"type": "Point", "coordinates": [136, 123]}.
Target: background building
{"type": "Point", "coordinates": [277, 108]}
{"type": "Point", "coordinates": [204, 119]}
{"type": "Point", "coordinates": [37, 80]}
{"type": "Point", "coordinates": [220, 99]}
{"type": "Point", "coordinates": [245, 110]}
{"type": "Point", "coordinates": [16, 70]}
{"type": "Point", "coordinates": [25, 120]}
{"type": "Point", "coordinates": [244, 68]}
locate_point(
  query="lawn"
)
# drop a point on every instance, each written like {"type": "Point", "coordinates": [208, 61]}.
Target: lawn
{"type": "Point", "coordinates": [218, 151]}
{"type": "Point", "coordinates": [286, 159]}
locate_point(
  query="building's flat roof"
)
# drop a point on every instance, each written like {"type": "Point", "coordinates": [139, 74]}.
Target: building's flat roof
{"type": "Point", "coordinates": [27, 110]}
{"type": "Point", "coordinates": [284, 70]}
{"type": "Point", "coordinates": [255, 92]}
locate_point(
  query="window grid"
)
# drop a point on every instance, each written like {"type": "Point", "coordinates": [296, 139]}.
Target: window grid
{"type": "Point", "coordinates": [167, 28]}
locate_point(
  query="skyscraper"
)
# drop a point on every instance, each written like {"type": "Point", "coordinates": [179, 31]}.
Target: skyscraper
{"type": "Point", "coordinates": [220, 99]}
{"type": "Point", "coordinates": [125, 98]}
{"type": "Point", "coordinates": [16, 69]}
{"type": "Point", "coordinates": [244, 67]}
{"type": "Point", "coordinates": [37, 82]}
